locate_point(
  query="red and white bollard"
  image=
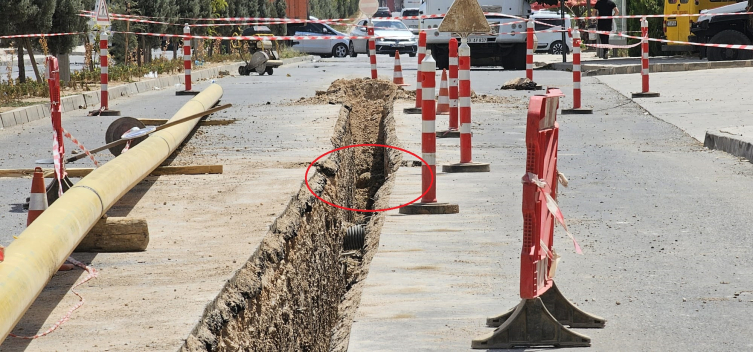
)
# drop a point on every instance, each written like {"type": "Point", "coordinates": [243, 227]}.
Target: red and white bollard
{"type": "Point", "coordinates": [452, 131]}
{"type": "Point", "coordinates": [576, 109]}
{"type": "Point", "coordinates": [429, 203]}
{"type": "Point", "coordinates": [187, 62]}
{"type": "Point", "coordinates": [372, 50]}
{"type": "Point", "coordinates": [421, 56]}
{"type": "Point", "coordinates": [464, 108]}
{"type": "Point", "coordinates": [645, 93]}
{"type": "Point", "coordinates": [104, 109]}
{"type": "Point", "coordinates": [529, 49]}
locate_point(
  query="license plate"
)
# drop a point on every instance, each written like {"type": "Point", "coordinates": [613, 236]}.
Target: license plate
{"type": "Point", "coordinates": [672, 23]}
{"type": "Point", "coordinates": [476, 40]}
{"type": "Point", "coordinates": [396, 45]}
{"type": "Point", "coordinates": [413, 26]}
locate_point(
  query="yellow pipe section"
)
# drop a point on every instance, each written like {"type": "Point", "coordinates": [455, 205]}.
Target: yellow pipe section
{"type": "Point", "coordinates": [32, 259]}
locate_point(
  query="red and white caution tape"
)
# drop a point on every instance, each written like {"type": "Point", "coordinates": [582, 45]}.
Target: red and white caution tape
{"type": "Point", "coordinates": [128, 19]}
{"type": "Point", "coordinates": [253, 37]}
{"type": "Point", "coordinates": [726, 46]}
{"type": "Point", "coordinates": [660, 16]}
{"type": "Point", "coordinates": [80, 146]}
{"type": "Point", "coordinates": [38, 35]}
{"type": "Point", "coordinates": [92, 274]}
{"type": "Point", "coordinates": [551, 204]}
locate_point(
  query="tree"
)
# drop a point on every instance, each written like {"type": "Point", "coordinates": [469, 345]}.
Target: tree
{"type": "Point", "coordinates": [66, 20]}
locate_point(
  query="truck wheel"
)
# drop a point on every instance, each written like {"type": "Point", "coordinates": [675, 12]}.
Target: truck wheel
{"type": "Point", "coordinates": [729, 37]}
{"type": "Point", "coordinates": [270, 70]}
{"type": "Point", "coordinates": [515, 58]}
{"type": "Point", "coordinates": [442, 56]}
{"type": "Point", "coordinates": [352, 50]}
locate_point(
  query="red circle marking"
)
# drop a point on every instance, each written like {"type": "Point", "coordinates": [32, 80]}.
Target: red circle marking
{"type": "Point", "coordinates": [306, 177]}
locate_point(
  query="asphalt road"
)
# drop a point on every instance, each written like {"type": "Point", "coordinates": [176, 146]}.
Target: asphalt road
{"type": "Point", "coordinates": [665, 225]}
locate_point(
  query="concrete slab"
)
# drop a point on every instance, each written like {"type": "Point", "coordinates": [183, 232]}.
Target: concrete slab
{"type": "Point", "coordinates": [32, 113]}
{"type": "Point", "coordinates": [7, 119]}
{"type": "Point", "coordinates": [20, 116]}
{"type": "Point", "coordinates": [737, 141]}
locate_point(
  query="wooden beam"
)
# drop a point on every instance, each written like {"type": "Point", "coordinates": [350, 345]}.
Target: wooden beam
{"type": "Point", "coordinates": [116, 235]}
{"type": "Point", "coordinates": [81, 172]}
{"type": "Point", "coordinates": [160, 122]}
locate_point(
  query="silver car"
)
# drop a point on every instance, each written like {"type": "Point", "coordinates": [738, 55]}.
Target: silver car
{"type": "Point", "coordinates": [395, 36]}
{"type": "Point", "coordinates": [336, 47]}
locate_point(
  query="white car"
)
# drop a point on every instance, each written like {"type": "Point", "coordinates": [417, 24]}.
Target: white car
{"type": "Point", "coordinates": [552, 42]}
{"type": "Point", "coordinates": [412, 24]}
{"type": "Point", "coordinates": [395, 36]}
{"type": "Point", "coordinates": [322, 47]}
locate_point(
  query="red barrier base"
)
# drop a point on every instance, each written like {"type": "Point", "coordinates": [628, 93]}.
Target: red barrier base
{"type": "Point", "coordinates": [104, 113]}
{"type": "Point", "coordinates": [186, 92]}
{"type": "Point", "coordinates": [645, 95]}
{"type": "Point", "coordinates": [530, 324]}
{"type": "Point", "coordinates": [561, 309]}
{"type": "Point", "coordinates": [412, 111]}
{"type": "Point", "coordinates": [466, 167]}
{"type": "Point", "coordinates": [448, 134]}
{"type": "Point", "coordinates": [578, 111]}
{"type": "Point", "coordinates": [430, 208]}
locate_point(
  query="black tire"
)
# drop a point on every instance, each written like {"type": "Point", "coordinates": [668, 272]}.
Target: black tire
{"type": "Point", "coordinates": [270, 70]}
{"type": "Point", "coordinates": [729, 37]}
{"type": "Point", "coordinates": [412, 54]}
{"type": "Point", "coordinates": [556, 48]}
{"type": "Point", "coordinates": [340, 50]}
{"type": "Point", "coordinates": [352, 50]}
{"type": "Point", "coordinates": [441, 55]}
{"type": "Point", "coordinates": [515, 58]}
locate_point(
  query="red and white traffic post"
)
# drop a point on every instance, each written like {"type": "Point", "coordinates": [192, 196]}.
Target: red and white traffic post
{"type": "Point", "coordinates": [372, 49]}
{"type": "Point", "coordinates": [645, 92]}
{"type": "Point", "coordinates": [529, 49]}
{"type": "Point", "coordinates": [104, 103]}
{"type": "Point", "coordinates": [576, 109]}
{"type": "Point", "coordinates": [531, 323]}
{"type": "Point", "coordinates": [452, 131]}
{"type": "Point", "coordinates": [464, 109]}
{"type": "Point", "coordinates": [187, 62]}
{"type": "Point", "coordinates": [429, 204]}
{"type": "Point", "coordinates": [421, 56]}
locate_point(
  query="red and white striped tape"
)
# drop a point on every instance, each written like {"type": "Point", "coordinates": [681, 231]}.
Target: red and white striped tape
{"type": "Point", "coordinates": [254, 37]}
{"type": "Point", "coordinates": [38, 35]}
{"type": "Point", "coordinates": [660, 16]}
{"type": "Point", "coordinates": [92, 274]}
{"type": "Point", "coordinates": [551, 204]}
{"type": "Point", "coordinates": [726, 46]}
{"type": "Point", "coordinates": [80, 146]}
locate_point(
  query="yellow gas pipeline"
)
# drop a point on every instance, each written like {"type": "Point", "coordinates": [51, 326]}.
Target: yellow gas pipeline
{"type": "Point", "coordinates": [32, 259]}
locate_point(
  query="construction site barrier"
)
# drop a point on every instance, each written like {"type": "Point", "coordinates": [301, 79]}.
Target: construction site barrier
{"type": "Point", "coordinates": [644, 93]}
{"type": "Point", "coordinates": [454, 86]}
{"type": "Point", "coordinates": [187, 63]}
{"type": "Point", "coordinates": [372, 51]}
{"type": "Point", "coordinates": [397, 73]}
{"type": "Point", "coordinates": [540, 317]}
{"type": "Point", "coordinates": [576, 109]}
{"type": "Point", "coordinates": [32, 259]}
{"type": "Point", "coordinates": [529, 50]}
{"type": "Point", "coordinates": [420, 58]}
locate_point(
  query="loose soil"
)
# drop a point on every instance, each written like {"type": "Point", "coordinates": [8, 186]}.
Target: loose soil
{"type": "Point", "coordinates": [300, 289]}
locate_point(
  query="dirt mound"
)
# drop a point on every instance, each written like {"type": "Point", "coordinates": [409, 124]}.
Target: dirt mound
{"type": "Point", "coordinates": [343, 89]}
{"type": "Point", "coordinates": [520, 84]}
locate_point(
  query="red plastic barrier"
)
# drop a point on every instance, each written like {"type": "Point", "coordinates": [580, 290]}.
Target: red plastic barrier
{"type": "Point", "coordinates": [538, 222]}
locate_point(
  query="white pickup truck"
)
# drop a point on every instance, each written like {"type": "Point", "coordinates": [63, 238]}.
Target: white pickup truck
{"type": "Point", "coordinates": [411, 24]}
{"type": "Point", "coordinates": [493, 49]}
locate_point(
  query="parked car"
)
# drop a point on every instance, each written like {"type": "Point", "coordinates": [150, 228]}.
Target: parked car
{"type": "Point", "coordinates": [322, 47]}
{"type": "Point", "coordinates": [394, 36]}
{"type": "Point", "coordinates": [552, 42]}
{"type": "Point", "coordinates": [412, 24]}
{"type": "Point", "coordinates": [383, 12]}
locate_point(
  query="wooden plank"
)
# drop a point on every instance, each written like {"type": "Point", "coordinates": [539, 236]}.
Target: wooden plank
{"type": "Point", "coordinates": [81, 172]}
{"type": "Point", "coordinates": [116, 235]}
{"type": "Point", "coordinates": [160, 122]}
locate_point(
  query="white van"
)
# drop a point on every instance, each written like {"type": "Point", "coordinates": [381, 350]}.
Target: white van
{"type": "Point", "coordinates": [552, 42]}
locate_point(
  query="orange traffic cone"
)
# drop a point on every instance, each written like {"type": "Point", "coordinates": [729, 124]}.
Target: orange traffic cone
{"type": "Point", "coordinates": [38, 199]}
{"type": "Point", "coordinates": [397, 77]}
{"type": "Point", "coordinates": [443, 105]}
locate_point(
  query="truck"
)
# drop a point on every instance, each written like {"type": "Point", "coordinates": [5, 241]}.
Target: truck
{"type": "Point", "coordinates": [493, 49]}
{"type": "Point", "coordinates": [723, 29]}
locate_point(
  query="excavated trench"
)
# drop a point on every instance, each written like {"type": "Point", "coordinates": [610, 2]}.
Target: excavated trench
{"type": "Point", "coordinates": [299, 291]}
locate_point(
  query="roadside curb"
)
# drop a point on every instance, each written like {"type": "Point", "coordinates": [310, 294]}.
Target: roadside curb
{"type": "Point", "coordinates": [732, 141]}
{"type": "Point", "coordinates": [86, 100]}
{"type": "Point", "coordinates": [600, 70]}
